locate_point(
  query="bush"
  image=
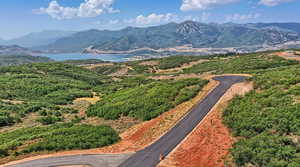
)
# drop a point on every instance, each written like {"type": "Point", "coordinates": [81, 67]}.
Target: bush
{"type": "Point", "coordinates": [55, 138]}
{"type": "Point", "coordinates": [6, 119]}
{"type": "Point", "coordinates": [267, 119]}
{"type": "Point", "coordinates": [146, 101]}
{"type": "Point", "coordinates": [47, 120]}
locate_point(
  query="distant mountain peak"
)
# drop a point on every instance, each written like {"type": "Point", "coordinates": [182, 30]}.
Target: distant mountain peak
{"type": "Point", "coordinates": [189, 27]}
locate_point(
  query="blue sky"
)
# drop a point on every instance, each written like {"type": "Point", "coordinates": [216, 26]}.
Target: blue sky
{"type": "Point", "coordinates": [19, 17]}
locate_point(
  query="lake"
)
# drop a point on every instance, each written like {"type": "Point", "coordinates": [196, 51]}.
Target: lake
{"type": "Point", "coordinates": [83, 56]}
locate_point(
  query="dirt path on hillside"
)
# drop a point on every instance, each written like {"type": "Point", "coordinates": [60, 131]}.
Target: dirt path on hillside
{"type": "Point", "coordinates": [181, 68]}
{"type": "Point", "coordinates": [288, 55]}
{"type": "Point", "coordinates": [92, 66]}
{"type": "Point", "coordinates": [209, 143]}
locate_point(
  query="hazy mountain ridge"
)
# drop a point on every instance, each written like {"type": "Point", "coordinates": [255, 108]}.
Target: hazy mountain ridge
{"type": "Point", "coordinates": [15, 50]}
{"type": "Point", "coordinates": [15, 55]}
{"type": "Point", "coordinates": [37, 38]}
{"type": "Point", "coordinates": [195, 34]}
{"type": "Point", "coordinates": [8, 60]}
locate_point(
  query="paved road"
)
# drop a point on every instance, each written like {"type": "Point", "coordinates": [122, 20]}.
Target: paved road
{"type": "Point", "coordinates": [104, 160]}
{"type": "Point", "coordinates": [148, 157]}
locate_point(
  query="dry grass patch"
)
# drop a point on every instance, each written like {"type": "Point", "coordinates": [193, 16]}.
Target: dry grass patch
{"type": "Point", "coordinates": [120, 125]}
{"type": "Point", "coordinates": [149, 63]}
{"type": "Point", "coordinates": [181, 68]}
{"type": "Point", "coordinates": [98, 65]}
{"type": "Point", "coordinates": [26, 122]}
{"type": "Point", "coordinates": [91, 100]}
{"type": "Point", "coordinates": [288, 55]}
{"type": "Point", "coordinates": [123, 71]}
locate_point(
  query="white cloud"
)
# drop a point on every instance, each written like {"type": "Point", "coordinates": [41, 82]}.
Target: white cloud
{"type": "Point", "coordinates": [241, 17]}
{"type": "Point", "coordinates": [156, 19]}
{"type": "Point", "coordinates": [153, 19]}
{"type": "Point", "coordinates": [88, 8]}
{"type": "Point", "coordinates": [112, 22]}
{"type": "Point", "coordinates": [273, 2]}
{"type": "Point", "coordinates": [190, 5]}
{"type": "Point", "coordinates": [205, 16]}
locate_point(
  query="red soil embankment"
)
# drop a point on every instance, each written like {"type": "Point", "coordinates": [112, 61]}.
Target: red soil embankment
{"type": "Point", "coordinates": [209, 143]}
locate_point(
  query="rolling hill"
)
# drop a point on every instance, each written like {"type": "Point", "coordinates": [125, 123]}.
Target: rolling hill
{"type": "Point", "coordinates": [15, 50]}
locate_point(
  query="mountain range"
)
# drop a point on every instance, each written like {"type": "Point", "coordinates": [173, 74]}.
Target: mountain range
{"type": "Point", "coordinates": [172, 35]}
{"type": "Point", "coordinates": [195, 34]}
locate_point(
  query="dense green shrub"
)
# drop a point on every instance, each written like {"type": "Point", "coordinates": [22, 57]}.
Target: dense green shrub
{"type": "Point", "coordinates": [47, 120]}
{"type": "Point", "coordinates": [57, 137]}
{"type": "Point", "coordinates": [252, 63]}
{"type": "Point", "coordinates": [106, 70]}
{"type": "Point", "coordinates": [146, 101]}
{"type": "Point", "coordinates": [43, 86]}
{"type": "Point", "coordinates": [124, 83]}
{"type": "Point", "coordinates": [266, 150]}
{"type": "Point", "coordinates": [6, 119]}
{"type": "Point", "coordinates": [267, 119]}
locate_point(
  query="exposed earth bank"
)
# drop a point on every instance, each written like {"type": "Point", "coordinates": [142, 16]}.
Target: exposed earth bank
{"type": "Point", "coordinates": [208, 145]}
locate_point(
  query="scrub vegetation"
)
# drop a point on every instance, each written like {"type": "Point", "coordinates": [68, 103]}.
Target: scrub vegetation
{"type": "Point", "coordinates": [268, 119]}
{"type": "Point", "coordinates": [146, 101]}
{"type": "Point", "coordinates": [55, 138]}
{"type": "Point", "coordinates": [265, 121]}
{"type": "Point", "coordinates": [44, 93]}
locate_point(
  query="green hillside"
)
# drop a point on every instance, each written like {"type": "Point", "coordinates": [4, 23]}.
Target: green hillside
{"type": "Point", "coordinates": [7, 60]}
{"type": "Point", "coordinates": [40, 98]}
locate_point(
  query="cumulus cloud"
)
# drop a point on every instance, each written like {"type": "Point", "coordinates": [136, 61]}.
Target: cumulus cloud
{"type": "Point", "coordinates": [191, 5]}
{"type": "Point", "coordinates": [204, 17]}
{"type": "Point", "coordinates": [273, 2]}
{"type": "Point", "coordinates": [241, 17]}
{"type": "Point", "coordinates": [156, 19]}
{"type": "Point", "coordinates": [88, 8]}
{"type": "Point", "coordinates": [153, 19]}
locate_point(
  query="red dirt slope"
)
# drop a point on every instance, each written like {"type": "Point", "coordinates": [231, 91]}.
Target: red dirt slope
{"type": "Point", "coordinates": [209, 143]}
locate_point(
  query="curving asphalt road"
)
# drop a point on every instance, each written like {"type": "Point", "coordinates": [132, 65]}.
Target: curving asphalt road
{"type": "Point", "coordinates": [102, 160]}
{"type": "Point", "coordinates": [150, 156]}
